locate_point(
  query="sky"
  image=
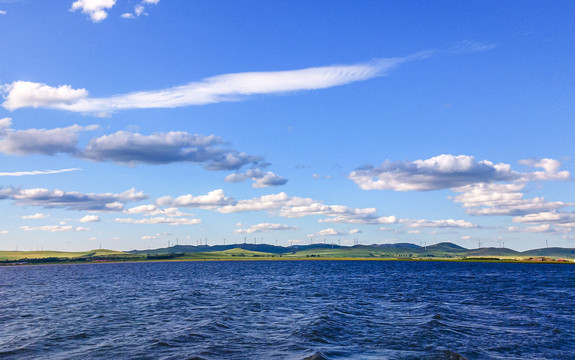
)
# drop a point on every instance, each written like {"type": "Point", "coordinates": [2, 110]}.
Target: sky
{"type": "Point", "coordinates": [134, 124]}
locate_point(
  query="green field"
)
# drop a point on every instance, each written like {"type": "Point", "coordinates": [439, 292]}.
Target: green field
{"type": "Point", "coordinates": [19, 255]}
{"type": "Point", "coordinates": [439, 252]}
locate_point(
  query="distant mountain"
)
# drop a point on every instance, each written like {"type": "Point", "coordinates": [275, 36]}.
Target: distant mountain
{"type": "Point", "coordinates": [444, 249]}
{"type": "Point", "coordinates": [493, 252]}
{"type": "Point", "coordinates": [207, 248]}
{"type": "Point", "coordinates": [551, 252]}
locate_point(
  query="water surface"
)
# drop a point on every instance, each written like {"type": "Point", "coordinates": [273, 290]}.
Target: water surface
{"type": "Point", "coordinates": [288, 310]}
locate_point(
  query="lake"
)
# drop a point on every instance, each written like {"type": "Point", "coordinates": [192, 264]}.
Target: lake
{"type": "Point", "coordinates": [288, 310]}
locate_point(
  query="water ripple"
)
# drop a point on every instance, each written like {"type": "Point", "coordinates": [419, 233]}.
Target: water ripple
{"type": "Point", "coordinates": [288, 310]}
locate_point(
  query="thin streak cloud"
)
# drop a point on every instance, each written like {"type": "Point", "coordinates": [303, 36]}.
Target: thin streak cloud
{"type": "Point", "coordinates": [37, 172]}
{"type": "Point", "coordinates": [222, 88]}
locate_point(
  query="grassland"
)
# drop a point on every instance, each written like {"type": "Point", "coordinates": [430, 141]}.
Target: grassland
{"type": "Point", "coordinates": [438, 252]}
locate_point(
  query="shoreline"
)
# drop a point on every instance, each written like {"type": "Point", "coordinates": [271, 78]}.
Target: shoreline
{"type": "Point", "coordinates": [338, 259]}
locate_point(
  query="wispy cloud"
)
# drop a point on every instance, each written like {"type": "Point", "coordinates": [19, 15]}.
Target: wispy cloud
{"type": "Point", "coordinates": [265, 227]}
{"type": "Point", "coordinates": [441, 224]}
{"type": "Point", "coordinates": [160, 220]}
{"type": "Point", "coordinates": [38, 172]}
{"type": "Point", "coordinates": [222, 88]}
{"type": "Point", "coordinates": [140, 9]}
{"type": "Point", "coordinates": [35, 216]}
{"type": "Point", "coordinates": [334, 232]}
{"type": "Point", "coordinates": [53, 228]}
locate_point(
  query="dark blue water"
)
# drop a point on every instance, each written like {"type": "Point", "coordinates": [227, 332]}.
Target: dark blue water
{"type": "Point", "coordinates": [288, 310]}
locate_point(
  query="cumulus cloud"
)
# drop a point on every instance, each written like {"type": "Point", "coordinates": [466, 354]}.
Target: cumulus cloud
{"type": "Point", "coordinates": [71, 200]}
{"type": "Point", "coordinates": [96, 9]}
{"type": "Point", "coordinates": [550, 170]}
{"type": "Point", "coordinates": [212, 200]}
{"type": "Point", "coordinates": [547, 217]}
{"type": "Point", "coordinates": [261, 179]}
{"type": "Point", "coordinates": [21, 94]}
{"type": "Point", "coordinates": [265, 227]}
{"type": "Point", "coordinates": [153, 210]}
{"type": "Point", "coordinates": [501, 199]}
{"type": "Point", "coordinates": [89, 218]}
{"type": "Point", "coordinates": [222, 88]}
{"type": "Point", "coordinates": [40, 141]}
{"type": "Point", "coordinates": [131, 148]}
{"type": "Point", "coordinates": [295, 207]}
{"type": "Point", "coordinates": [160, 220]}
{"type": "Point", "coordinates": [279, 204]}
{"type": "Point", "coordinates": [439, 172]}
{"type": "Point", "coordinates": [3, 12]}
{"type": "Point", "coordinates": [441, 224]}
{"type": "Point", "coordinates": [164, 148]}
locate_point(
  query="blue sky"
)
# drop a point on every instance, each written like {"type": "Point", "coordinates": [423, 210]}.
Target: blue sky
{"type": "Point", "coordinates": [127, 124]}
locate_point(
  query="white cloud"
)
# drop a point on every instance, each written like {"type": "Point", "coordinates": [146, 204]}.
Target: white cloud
{"type": "Point", "coordinates": [163, 148]}
{"type": "Point", "coordinates": [441, 224]}
{"type": "Point", "coordinates": [153, 237]}
{"type": "Point", "coordinates": [543, 228]}
{"type": "Point", "coordinates": [71, 200]}
{"type": "Point", "coordinates": [96, 9]}
{"type": "Point", "coordinates": [550, 167]}
{"type": "Point", "coordinates": [153, 210]}
{"type": "Point", "coordinates": [40, 141]}
{"type": "Point", "coordinates": [53, 228]}
{"type": "Point", "coordinates": [439, 172]}
{"type": "Point", "coordinates": [89, 218]}
{"type": "Point", "coordinates": [414, 232]}
{"type": "Point", "coordinates": [501, 199]}
{"type": "Point", "coordinates": [37, 172]}
{"type": "Point", "coordinates": [265, 227]}
{"type": "Point", "coordinates": [212, 200]}
{"type": "Point", "coordinates": [35, 216]}
{"type": "Point", "coordinates": [140, 9]}
{"type": "Point", "coordinates": [3, 12]}
{"type": "Point", "coordinates": [546, 217]}
{"type": "Point", "coordinates": [359, 218]}
{"type": "Point", "coordinates": [327, 232]}
{"type": "Point", "coordinates": [279, 204]}
{"type": "Point", "coordinates": [222, 88]}
{"type": "Point", "coordinates": [261, 179]}
{"type": "Point", "coordinates": [160, 220]}
{"type": "Point", "coordinates": [29, 94]}
{"type": "Point", "coordinates": [334, 232]}
{"type": "Point", "coordinates": [131, 148]}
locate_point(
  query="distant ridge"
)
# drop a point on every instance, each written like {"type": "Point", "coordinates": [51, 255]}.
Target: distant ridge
{"type": "Point", "coordinates": [443, 249]}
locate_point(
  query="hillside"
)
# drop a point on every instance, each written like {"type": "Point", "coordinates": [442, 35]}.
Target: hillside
{"type": "Point", "coordinates": [443, 250]}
